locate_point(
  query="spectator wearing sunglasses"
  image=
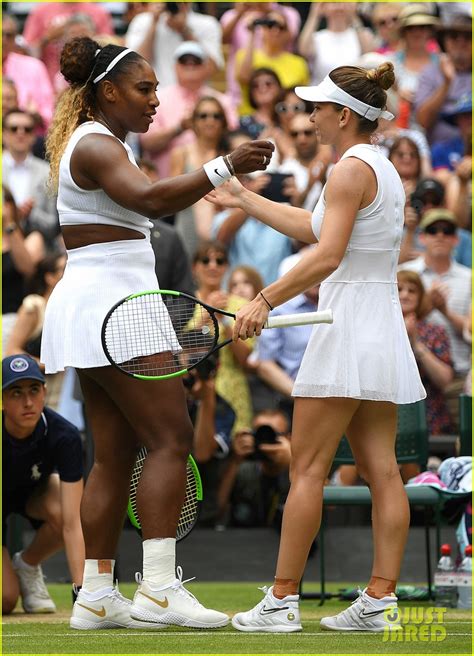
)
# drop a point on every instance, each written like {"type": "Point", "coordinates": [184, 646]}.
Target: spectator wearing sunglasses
{"type": "Point", "coordinates": [448, 285]}
{"type": "Point", "coordinates": [210, 266]}
{"type": "Point", "coordinates": [343, 40]}
{"type": "Point", "coordinates": [34, 89]}
{"type": "Point", "coordinates": [385, 23]}
{"type": "Point", "coordinates": [26, 176]}
{"type": "Point", "coordinates": [209, 127]}
{"type": "Point", "coordinates": [291, 69]}
{"type": "Point", "coordinates": [307, 166]}
{"type": "Point", "coordinates": [171, 126]}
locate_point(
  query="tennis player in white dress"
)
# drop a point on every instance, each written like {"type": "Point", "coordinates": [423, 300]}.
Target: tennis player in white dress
{"type": "Point", "coordinates": [355, 371]}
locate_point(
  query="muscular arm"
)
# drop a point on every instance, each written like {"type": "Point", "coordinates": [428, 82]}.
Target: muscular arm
{"type": "Point", "coordinates": [71, 495]}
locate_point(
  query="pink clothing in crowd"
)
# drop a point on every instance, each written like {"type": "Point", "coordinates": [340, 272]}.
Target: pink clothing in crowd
{"type": "Point", "coordinates": [240, 37]}
{"type": "Point", "coordinates": [47, 14]}
{"type": "Point", "coordinates": [176, 103]}
{"type": "Point", "coordinates": [35, 92]}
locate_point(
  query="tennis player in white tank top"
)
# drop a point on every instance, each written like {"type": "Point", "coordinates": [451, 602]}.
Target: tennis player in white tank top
{"type": "Point", "coordinates": [105, 203]}
{"type": "Point", "coordinates": [354, 371]}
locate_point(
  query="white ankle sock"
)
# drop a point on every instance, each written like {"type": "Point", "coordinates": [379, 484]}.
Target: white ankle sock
{"type": "Point", "coordinates": [98, 574]}
{"type": "Point", "coordinates": [22, 565]}
{"type": "Point", "coordinates": [159, 561]}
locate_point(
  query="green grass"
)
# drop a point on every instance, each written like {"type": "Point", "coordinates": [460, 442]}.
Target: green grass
{"type": "Point", "coordinates": [50, 634]}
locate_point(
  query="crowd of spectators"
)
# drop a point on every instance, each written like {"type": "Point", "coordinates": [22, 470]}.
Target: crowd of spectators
{"type": "Point", "coordinates": [227, 73]}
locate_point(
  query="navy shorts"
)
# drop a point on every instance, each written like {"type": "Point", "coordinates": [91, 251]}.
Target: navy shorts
{"type": "Point", "coordinates": [17, 505]}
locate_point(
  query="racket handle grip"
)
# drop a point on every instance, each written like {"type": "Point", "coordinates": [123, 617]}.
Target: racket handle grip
{"type": "Point", "coordinates": [302, 319]}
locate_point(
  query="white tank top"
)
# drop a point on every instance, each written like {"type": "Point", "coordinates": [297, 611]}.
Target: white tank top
{"type": "Point", "coordinates": [78, 206]}
{"type": "Point", "coordinates": [374, 246]}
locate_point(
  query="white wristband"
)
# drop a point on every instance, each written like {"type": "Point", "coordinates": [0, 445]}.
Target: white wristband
{"type": "Point", "coordinates": [217, 171]}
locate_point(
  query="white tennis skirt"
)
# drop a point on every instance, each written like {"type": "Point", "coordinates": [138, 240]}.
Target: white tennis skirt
{"type": "Point", "coordinates": [96, 277]}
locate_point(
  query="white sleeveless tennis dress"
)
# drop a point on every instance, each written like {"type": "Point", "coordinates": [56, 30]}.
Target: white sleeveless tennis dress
{"type": "Point", "coordinates": [365, 353]}
{"type": "Point", "coordinates": [96, 276]}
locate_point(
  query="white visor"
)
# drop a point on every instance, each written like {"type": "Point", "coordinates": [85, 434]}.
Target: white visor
{"type": "Point", "coordinates": [327, 91]}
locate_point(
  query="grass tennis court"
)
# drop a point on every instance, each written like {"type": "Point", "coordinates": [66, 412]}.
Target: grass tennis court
{"type": "Point", "coordinates": [50, 634]}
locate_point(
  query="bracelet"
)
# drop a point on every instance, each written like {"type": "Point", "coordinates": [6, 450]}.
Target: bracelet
{"type": "Point", "coordinates": [217, 171]}
{"type": "Point", "coordinates": [266, 300]}
{"type": "Point", "coordinates": [230, 166]}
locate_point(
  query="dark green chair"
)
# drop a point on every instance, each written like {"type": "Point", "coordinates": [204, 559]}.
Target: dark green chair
{"type": "Point", "coordinates": [465, 425]}
{"type": "Point", "coordinates": [411, 446]}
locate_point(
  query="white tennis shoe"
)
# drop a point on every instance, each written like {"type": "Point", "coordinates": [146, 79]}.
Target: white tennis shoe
{"type": "Point", "coordinates": [366, 614]}
{"type": "Point", "coordinates": [173, 604]}
{"type": "Point", "coordinates": [106, 609]}
{"type": "Point", "coordinates": [271, 615]}
{"type": "Point", "coordinates": [34, 594]}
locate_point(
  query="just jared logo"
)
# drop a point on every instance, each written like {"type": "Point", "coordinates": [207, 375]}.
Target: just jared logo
{"type": "Point", "coordinates": [414, 625]}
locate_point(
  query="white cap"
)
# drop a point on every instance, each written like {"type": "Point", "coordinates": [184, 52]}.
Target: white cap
{"type": "Point", "coordinates": [190, 48]}
{"type": "Point", "coordinates": [327, 91]}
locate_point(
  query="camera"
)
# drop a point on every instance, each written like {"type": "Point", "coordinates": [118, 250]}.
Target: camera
{"type": "Point", "coordinates": [172, 7]}
{"type": "Point", "coordinates": [267, 22]}
{"type": "Point", "coordinates": [204, 370]}
{"type": "Point", "coordinates": [262, 435]}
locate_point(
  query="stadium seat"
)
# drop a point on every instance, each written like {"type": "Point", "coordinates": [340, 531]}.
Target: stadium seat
{"type": "Point", "coordinates": [465, 425]}
{"type": "Point", "coordinates": [411, 446]}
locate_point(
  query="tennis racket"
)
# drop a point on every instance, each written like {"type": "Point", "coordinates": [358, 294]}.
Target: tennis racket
{"type": "Point", "coordinates": [162, 334]}
{"type": "Point", "coordinates": [190, 509]}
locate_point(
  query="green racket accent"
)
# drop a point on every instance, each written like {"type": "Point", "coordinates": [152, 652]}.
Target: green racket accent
{"type": "Point", "coordinates": [190, 509]}
{"type": "Point", "coordinates": [158, 334]}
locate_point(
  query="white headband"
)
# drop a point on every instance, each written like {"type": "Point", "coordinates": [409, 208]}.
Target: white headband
{"type": "Point", "coordinates": [327, 91]}
{"type": "Point", "coordinates": [114, 61]}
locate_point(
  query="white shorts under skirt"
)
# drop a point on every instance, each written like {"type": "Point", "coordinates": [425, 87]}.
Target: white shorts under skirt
{"type": "Point", "coordinates": [96, 277]}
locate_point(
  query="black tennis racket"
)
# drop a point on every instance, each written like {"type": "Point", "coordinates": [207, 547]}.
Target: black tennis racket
{"type": "Point", "coordinates": [162, 334]}
{"type": "Point", "coordinates": [190, 509]}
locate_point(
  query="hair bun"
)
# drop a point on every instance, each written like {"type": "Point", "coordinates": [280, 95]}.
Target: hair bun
{"type": "Point", "coordinates": [78, 59]}
{"type": "Point", "coordinates": [383, 75]}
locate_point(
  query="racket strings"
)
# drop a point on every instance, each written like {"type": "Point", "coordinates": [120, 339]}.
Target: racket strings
{"type": "Point", "coordinates": [189, 511]}
{"type": "Point", "coordinates": [159, 334]}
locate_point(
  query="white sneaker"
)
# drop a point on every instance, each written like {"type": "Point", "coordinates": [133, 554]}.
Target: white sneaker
{"type": "Point", "coordinates": [173, 604]}
{"type": "Point", "coordinates": [105, 609]}
{"type": "Point", "coordinates": [366, 614]}
{"type": "Point", "coordinates": [34, 594]}
{"type": "Point", "coordinates": [271, 615]}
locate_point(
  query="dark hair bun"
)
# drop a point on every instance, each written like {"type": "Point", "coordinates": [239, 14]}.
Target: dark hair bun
{"type": "Point", "coordinates": [78, 59]}
{"type": "Point", "coordinates": [383, 75]}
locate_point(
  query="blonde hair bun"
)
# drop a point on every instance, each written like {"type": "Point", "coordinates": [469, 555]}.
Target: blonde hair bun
{"type": "Point", "coordinates": [383, 75]}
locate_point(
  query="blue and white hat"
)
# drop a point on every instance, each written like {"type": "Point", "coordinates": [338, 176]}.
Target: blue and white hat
{"type": "Point", "coordinates": [20, 367]}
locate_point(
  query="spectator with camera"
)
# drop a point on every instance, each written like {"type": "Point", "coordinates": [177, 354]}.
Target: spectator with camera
{"type": "Point", "coordinates": [42, 481]}
{"type": "Point", "coordinates": [448, 285]}
{"type": "Point", "coordinates": [441, 84]}
{"type": "Point", "coordinates": [255, 483]}
{"type": "Point", "coordinates": [213, 420]}
{"type": "Point", "coordinates": [236, 31]}
{"type": "Point", "coordinates": [429, 194]}
{"type": "Point", "coordinates": [156, 34]}
{"type": "Point", "coordinates": [291, 69]}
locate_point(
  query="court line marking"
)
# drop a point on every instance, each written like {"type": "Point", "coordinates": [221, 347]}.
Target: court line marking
{"type": "Point", "coordinates": [198, 633]}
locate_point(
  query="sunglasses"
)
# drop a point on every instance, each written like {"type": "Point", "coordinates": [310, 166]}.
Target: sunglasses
{"type": "Point", "coordinates": [217, 116]}
{"type": "Point", "coordinates": [28, 129]}
{"type": "Point", "coordinates": [447, 230]}
{"type": "Point", "coordinates": [306, 133]}
{"type": "Point", "coordinates": [220, 261]}
{"type": "Point", "coordinates": [383, 22]}
{"type": "Point", "coordinates": [186, 61]}
{"type": "Point", "coordinates": [263, 83]}
{"type": "Point", "coordinates": [284, 108]}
